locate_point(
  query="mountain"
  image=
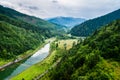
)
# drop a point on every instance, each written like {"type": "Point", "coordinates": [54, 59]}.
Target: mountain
{"type": "Point", "coordinates": [89, 26]}
{"type": "Point", "coordinates": [15, 40]}
{"type": "Point", "coordinates": [29, 19]}
{"type": "Point", "coordinates": [66, 21]}
{"type": "Point", "coordinates": [95, 58]}
{"type": "Point", "coordinates": [20, 33]}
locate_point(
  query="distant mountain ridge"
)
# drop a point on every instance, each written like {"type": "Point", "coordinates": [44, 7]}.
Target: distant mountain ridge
{"type": "Point", "coordinates": [66, 21]}
{"type": "Point", "coordinates": [89, 26]}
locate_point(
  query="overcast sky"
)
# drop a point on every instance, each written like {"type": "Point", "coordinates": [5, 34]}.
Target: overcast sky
{"type": "Point", "coordinates": [71, 8]}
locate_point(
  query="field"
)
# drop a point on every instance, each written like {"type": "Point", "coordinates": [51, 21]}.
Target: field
{"type": "Point", "coordinates": [68, 42]}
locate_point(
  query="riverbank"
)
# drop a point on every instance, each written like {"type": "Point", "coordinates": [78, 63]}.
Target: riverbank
{"type": "Point", "coordinates": [40, 69]}
{"type": "Point", "coordinates": [9, 70]}
{"type": "Point", "coordinates": [35, 58]}
{"type": "Point", "coordinates": [10, 63]}
{"type": "Point", "coordinates": [37, 69]}
{"type": "Point", "coordinates": [21, 57]}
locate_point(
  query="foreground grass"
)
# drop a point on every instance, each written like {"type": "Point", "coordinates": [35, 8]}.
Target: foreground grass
{"type": "Point", "coordinates": [36, 69]}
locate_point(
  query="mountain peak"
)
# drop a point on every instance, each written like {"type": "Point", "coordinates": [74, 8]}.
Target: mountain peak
{"type": "Point", "coordinates": [66, 21]}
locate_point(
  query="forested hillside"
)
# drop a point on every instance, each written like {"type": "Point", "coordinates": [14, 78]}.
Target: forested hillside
{"type": "Point", "coordinates": [96, 58]}
{"type": "Point", "coordinates": [88, 27]}
{"type": "Point", "coordinates": [26, 18]}
{"type": "Point", "coordinates": [25, 25]}
{"type": "Point", "coordinates": [15, 40]}
{"type": "Point", "coordinates": [20, 33]}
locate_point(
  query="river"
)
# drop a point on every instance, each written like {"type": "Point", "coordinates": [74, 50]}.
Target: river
{"type": "Point", "coordinates": [35, 58]}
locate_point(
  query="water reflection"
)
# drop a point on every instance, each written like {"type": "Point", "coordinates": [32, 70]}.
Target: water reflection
{"type": "Point", "coordinates": [37, 57]}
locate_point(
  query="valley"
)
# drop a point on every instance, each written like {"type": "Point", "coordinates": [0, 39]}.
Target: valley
{"type": "Point", "coordinates": [59, 48]}
{"type": "Point", "coordinates": [51, 60]}
{"type": "Point", "coordinates": [23, 62]}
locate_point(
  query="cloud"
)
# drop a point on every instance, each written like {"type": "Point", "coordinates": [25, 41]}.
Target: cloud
{"type": "Point", "coordinates": [73, 8]}
{"type": "Point", "coordinates": [54, 1]}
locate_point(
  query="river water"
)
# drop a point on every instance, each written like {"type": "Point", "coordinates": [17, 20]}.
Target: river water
{"type": "Point", "coordinates": [35, 58]}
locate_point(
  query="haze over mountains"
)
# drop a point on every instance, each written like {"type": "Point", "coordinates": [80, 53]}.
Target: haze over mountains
{"type": "Point", "coordinates": [66, 21]}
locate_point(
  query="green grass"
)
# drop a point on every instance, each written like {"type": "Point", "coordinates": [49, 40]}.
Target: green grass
{"type": "Point", "coordinates": [2, 62]}
{"type": "Point", "coordinates": [36, 69]}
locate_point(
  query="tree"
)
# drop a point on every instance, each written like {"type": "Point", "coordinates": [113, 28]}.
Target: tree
{"type": "Point", "coordinates": [74, 43]}
{"type": "Point", "coordinates": [65, 46]}
{"type": "Point", "coordinates": [56, 45]}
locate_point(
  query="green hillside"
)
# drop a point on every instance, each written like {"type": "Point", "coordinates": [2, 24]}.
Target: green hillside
{"type": "Point", "coordinates": [27, 26]}
{"type": "Point", "coordinates": [96, 58]}
{"type": "Point", "coordinates": [30, 22]}
{"type": "Point", "coordinates": [15, 40]}
{"type": "Point", "coordinates": [89, 26]}
{"type": "Point", "coordinates": [20, 33]}
{"type": "Point", "coordinates": [26, 18]}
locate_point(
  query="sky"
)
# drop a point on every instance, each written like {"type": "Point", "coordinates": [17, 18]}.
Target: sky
{"type": "Point", "coordinates": [87, 9]}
